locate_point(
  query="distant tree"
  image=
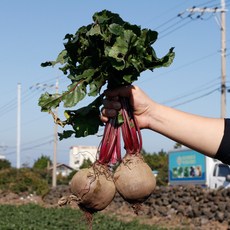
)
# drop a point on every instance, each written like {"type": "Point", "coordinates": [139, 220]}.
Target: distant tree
{"type": "Point", "coordinates": [22, 180]}
{"type": "Point", "coordinates": [69, 177]}
{"type": "Point", "coordinates": [158, 161]}
{"type": "Point", "coordinates": [42, 162]}
{"type": "Point", "coordinates": [86, 163]}
{"type": "Point", "coordinates": [177, 146]}
{"type": "Point", "coordinates": [4, 164]}
{"type": "Point", "coordinates": [25, 165]}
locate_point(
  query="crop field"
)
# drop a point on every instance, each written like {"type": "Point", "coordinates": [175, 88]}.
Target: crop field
{"type": "Point", "coordinates": [35, 217]}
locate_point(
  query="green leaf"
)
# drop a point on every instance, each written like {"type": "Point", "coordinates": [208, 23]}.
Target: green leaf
{"type": "Point", "coordinates": [86, 120]}
{"type": "Point", "coordinates": [76, 92]}
{"type": "Point", "coordinates": [149, 36]}
{"type": "Point", "coordinates": [62, 57]}
{"type": "Point", "coordinates": [116, 29]}
{"type": "Point", "coordinates": [48, 101]}
{"type": "Point", "coordinates": [120, 118]}
{"type": "Point", "coordinates": [109, 51]}
{"type": "Point", "coordinates": [121, 47]}
{"type": "Point", "coordinates": [47, 63]}
{"type": "Point", "coordinates": [168, 59]}
{"type": "Point", "coordinates": [86, 76]}
{"type": "Point", "coordinates": [95, 86]}
{"type": "Point", "coordinates": [130, 78]}
{"type": "Point", "coordinates": [95, 30]}
{"type": "Point", "coordinates": [65, 134]}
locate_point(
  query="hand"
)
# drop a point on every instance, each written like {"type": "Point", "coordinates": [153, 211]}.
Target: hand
{"type": "Point", "coordinates": [139, 102]}
{"type": "Point", "coordinates": [200, 133]}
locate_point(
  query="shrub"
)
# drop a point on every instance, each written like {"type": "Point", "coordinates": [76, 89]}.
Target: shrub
{"type": "Point", "coordinates": [22, 180]}
{"type": "Point", "coordinates": [4, 164]}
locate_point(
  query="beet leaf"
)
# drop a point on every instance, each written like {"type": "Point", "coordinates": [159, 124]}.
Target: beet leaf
{"type": "Point", "coordinates": [109, 52]}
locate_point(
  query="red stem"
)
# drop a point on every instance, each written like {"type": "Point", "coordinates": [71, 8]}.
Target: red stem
{"type": "Point", "coordinates": [130, 129]}
{"type": "Point", "coordinates": [110, 149]}
{"type": "Point", "coordinates": [110, 145]}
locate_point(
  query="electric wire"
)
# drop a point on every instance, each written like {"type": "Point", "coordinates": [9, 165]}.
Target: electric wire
{"type": "Point", "coordinates": [181, 66]}
{"type": "Point", "coordinates": [33, 92]}
{"type": "Point", "coordinates": [172, 28]}
{"type": "Point", "coordinates": [202, 88]}
{"type": "Point", "coordinates": [29, 148]}
{"type": "Point", "coordinates": [196, 98]}
{"type": "Point", "coordinates": [27, 95]}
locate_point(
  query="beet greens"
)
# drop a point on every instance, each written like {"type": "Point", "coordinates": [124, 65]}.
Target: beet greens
{"type": "Point", "coordinates": [109, 52]}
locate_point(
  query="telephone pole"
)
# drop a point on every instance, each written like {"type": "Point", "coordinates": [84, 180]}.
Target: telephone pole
{"type": "Point", "coordinates": [54, 175]}
{"type": "Point", "coordinates": [222, 11]}
{"type": "Point", "coordinates": [54, 171]}
{"type": "Point", "coordinates": [223, 60]}
{"type": "Point", "coordinates": [18, 125]}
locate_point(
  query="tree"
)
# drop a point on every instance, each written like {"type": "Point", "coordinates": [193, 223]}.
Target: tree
{"type": "Point", "coordinates": [86, 163]}
{"type": "Point", "coordinates": [22, 180]}
{"type": "Point", "coordinates": [177, 145]}
{"type": "Point", "coordinates": [158, 161]}
{"type": "Point", "coordinates": [4, 164]}
{"type": "Point", "coordinates": [42, 163]}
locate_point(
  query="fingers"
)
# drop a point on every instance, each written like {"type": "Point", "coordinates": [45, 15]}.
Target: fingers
{"type": "Point", "coordinates": [124, 91]}
{"type": "Point", "coordinates": [112, 104]}
{"type": "Point", "coordinates": [108, 113]}
{"type": "Point", "coordinates": [110, 109]}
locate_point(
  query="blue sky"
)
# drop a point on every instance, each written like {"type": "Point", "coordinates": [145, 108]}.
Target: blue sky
{"type": "Point", "coordinates": [33, 31]}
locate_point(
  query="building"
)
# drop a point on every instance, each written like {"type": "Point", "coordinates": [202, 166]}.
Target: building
{"type": "Point", "coordinates": [62, 169]}
{"type": "Point", "coordinates": [80, 153]}
{"type": "Point", "coordinates": [2, 157]}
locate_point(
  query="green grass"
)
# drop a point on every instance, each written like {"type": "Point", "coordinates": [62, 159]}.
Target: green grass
{"type": "Point", "coordinates": [35, 217]}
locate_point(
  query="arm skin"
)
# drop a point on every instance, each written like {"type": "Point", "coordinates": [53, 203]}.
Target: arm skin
{"type": "Point", "coordinates": [200, 133]}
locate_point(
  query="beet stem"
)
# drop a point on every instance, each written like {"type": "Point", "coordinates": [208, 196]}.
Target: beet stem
{"type": "Point", "coordinates": [130, 129]}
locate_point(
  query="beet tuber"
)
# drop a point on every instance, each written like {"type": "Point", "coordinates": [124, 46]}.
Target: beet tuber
{"type": "Point", "coordinates": [134, 179]}
{"type": "Point", "coordinates": [93, 187]}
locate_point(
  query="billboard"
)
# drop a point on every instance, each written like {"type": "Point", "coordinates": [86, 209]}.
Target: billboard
{"type": "Point", "coordinates": [187, 166]}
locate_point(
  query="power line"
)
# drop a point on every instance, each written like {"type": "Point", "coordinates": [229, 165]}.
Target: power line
{"type": "Point", "coordinates": [173, 26]}
{"type": "Point", "coordinates": [172, 29]}
{"type": "Point", "coordinates": [31, 147]}
{"type": "Point", "coordinates": [167, 31]}
{"type": "Point", "coordinates": [196, 98]}
{"type": "Point", "coordinates": [183, 66]}
{"type": "Point", "coordinates": [204, 87]}
{"type": "Point", "coordinates": [222, 22]}
{"type": "Point", "coordinates": [27, 95]}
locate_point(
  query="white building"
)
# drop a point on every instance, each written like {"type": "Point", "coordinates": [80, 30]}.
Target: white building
{"type": "Point", "coordinates": [62, 169]}
{"type": "Point", "coordinates": [2, 157]}
{"type": "Point", "coordinates": [80, 153]}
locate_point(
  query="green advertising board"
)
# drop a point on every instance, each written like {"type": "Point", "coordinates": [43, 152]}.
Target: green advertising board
{"type": "Point", "coordinates": [186, 166]}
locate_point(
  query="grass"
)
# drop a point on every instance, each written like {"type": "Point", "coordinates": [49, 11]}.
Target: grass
{"type": "Point", "coordinates": [35, 217]}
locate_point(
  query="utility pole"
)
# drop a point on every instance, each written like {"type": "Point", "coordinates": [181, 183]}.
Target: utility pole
{"type": "Point", "coordinates": [54, 171]}
{"type": "Point", "coordinates": [223, 60]}
{"type": "Point", "coordinates": [18, 125]}
{"type": "Point", "coordinates": [54, 175]}
{"type": "Point", "coordinates": [223, 48]}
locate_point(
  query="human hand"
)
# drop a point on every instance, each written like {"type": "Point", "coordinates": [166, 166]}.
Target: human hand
{"type": "Point", "coordinates": [139, 101]}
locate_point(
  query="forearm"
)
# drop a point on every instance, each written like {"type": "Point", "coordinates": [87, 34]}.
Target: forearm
{"type": "Point", "coordinates": [199, 133]}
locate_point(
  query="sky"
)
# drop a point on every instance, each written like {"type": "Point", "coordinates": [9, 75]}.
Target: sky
{"type": "Point", "coordinates": [33, 31]}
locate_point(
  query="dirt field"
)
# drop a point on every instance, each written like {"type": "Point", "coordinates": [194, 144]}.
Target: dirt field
{"type": "Point", "coordinates": [124, 212]}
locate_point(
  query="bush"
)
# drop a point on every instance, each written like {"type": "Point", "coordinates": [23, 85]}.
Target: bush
{"type": "Point", "coordinates": [4, 164]}
{"type": "Point", "coordinates": [23, 180]}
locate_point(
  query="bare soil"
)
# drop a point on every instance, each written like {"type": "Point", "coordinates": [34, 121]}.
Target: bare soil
{"type": "Point", "coordinates": [125, 213]}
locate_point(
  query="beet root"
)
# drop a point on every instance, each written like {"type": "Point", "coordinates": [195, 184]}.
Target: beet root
{"type": "Point", "coordinates": [134, 179]}
{"type": "Point", "coordinates": [93, 188]}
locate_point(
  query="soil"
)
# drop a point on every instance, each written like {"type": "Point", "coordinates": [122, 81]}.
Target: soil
{"type": "Point", "coordinates": [173, 222]}
{"type": "Point", "coordinates": [124, 212]}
